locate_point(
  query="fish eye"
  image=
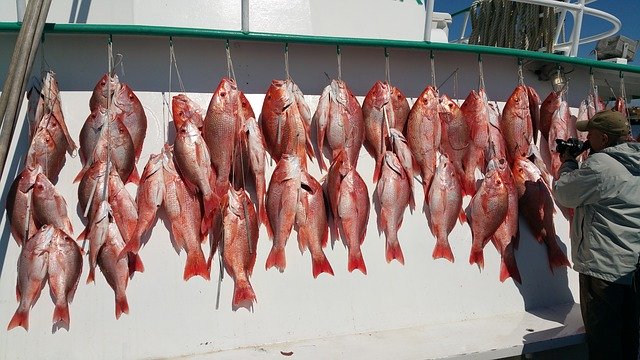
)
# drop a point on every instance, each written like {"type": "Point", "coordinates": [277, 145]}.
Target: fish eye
{"type": "Point", "coordinates": [223, 94]}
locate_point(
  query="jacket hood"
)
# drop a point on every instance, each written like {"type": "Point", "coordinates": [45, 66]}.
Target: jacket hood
{"type": "Point", "coordinates": [628, 154]}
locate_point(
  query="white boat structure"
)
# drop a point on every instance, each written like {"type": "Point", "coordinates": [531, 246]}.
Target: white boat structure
{"type": "Point", "coordinates": [424, 309]}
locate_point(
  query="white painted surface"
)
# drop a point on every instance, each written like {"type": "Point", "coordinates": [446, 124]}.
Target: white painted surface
{"type": "Point", "coordinates": [172, 318]}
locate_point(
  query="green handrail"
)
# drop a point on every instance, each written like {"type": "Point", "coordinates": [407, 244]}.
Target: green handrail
{"type": "Point", "coordinates": [147, 30]}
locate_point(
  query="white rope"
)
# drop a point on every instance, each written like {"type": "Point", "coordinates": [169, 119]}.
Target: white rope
{"type": "Point", "coordinates": [339, 55]}
{"type": "Point", "coordinates": [230, 71]}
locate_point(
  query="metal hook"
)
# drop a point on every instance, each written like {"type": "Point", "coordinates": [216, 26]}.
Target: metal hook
{"type": "Point", "coordinates": [339, 55]}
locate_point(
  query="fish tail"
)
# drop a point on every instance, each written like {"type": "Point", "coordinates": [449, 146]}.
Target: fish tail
{"type": "Point", "coordinates": [357, 262]}
{"type": "Point", "coordinates": [509, 268]}
{"type": "Point", "coordinates": [135, 264]}
{"type": "Point", "coordinates": [477, 257]}
{"type": "Point", "coordinates": [196, 265]}
{"type": "Point", "coordinates": [133, 246]}
{"type": "Point", "coordinates": [134, 177]}
{"type": "Point", "coordinates": [442, 250]}
{"type": "Point", "coordinates": [20, 318]}
{"type": "Point", "coordinates": [394, 252]}
{"type": "Point", "coordinates": [80, 175]}
{"type": "Point", "coordinates": [61, 314]}
{"type": "Point", "coordinates": [92, 275]}
{"type": "Point", "coordinates": [122, 305]}
{"type": "Point", "coordinates": [276, 258]}
{"type": "Point", "coordinates": [556, 257]}
{"type": "Point", "coordinates": [321, 265]}
{"type": "Point", "coordinates": [243, 292]}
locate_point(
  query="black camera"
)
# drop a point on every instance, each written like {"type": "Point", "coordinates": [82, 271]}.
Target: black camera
{"type": "Point", "coordinates": [572, 146]}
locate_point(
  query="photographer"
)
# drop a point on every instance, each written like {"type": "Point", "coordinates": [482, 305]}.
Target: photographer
{"type": "Point", "coordinates": [605, 233]}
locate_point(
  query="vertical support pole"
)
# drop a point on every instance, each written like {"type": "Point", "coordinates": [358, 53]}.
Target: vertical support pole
{"type": "Point", "coordinates": [428, 4]}
{"type": "Point", "coordinates": [245, 16]}
{"type": "Point", "coordinates": [577, 26]}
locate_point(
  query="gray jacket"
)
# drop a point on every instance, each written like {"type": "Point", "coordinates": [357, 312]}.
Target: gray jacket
{"type": "Point", "coordinates": [605, 192]}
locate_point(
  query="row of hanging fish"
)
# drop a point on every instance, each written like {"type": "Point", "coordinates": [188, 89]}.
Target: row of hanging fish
{"type": "Point", "coordinates": [211, 183]}
{"type": "Point", "coordinates": [37, 212]}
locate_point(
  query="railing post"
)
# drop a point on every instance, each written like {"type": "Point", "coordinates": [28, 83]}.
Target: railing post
{"type": "Point", "coordinates": [428, 4]}
{"type": "Point", "coordinates": [577, 27]}
{"type": "Point", "coordinates": [245, 16]}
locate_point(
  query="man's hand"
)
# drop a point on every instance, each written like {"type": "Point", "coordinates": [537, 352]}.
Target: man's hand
{"type": "Point", "coordinates": [566, 156]}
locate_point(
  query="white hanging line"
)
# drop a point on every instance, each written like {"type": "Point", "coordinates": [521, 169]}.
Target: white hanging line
{"type": "Point", "coordinates": [230, 72]}
{"type": "Point", "coordinates": [623, 92]}
{"type": "Point", "coordinates": [594, 88]}
{"type": "Point", "coordinates": [339, 55]}
{"type": "Point", "coordinates": [481, 72]}
{"type": "Point", "coordinates": [106, 125]}
{"type": "Point", "coordinates": [432, 62]}
{"type": "Point", "coordinates": [387, 72]}
{"type": "Point", "coordinates": [175, 64]}
{"type": "Point", "coordinates": [286, 62]}
{"type": "Point", "coordinates": [520, 73]}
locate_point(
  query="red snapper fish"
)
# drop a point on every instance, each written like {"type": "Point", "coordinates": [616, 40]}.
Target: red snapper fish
{"type": "Point", "coordinates": [285, 121]}
{"type": "Point", "coordinates": [257, 157]}
{"type": "Point", "coordinates": [47, 148]}
{"type": "Point", "coordinates": [221, 126]}
{"type": "Point", "coordinates": [132, 115]}
{"type": "Point", "coordinates": [103, 91]}
{"type": "Point", "coordinates": [339, 119]}
{"type": "Point", "coordinates": [32, 274]}
{"type": "Point", "coordinates": [283, 196]}
{"type": "Point", "coordinates": [192, 158]}
{"type": "Point", "coordinates": [505, 239]}
{"type": "Point", "coordinates": [456, 135]}
{"type": "Point", "coordinates": [488, 207]}
{"type": "Point", "coordinates": [312, 225]}
{"type": "Point", "coordinates": [536, 206]}
{"type": "Point", "coordinates": [184, 109]}
{"type": "Point", "coordinates": [534, 109]}
{"type": "Point", "coordinates": [183, 211]}
{"type": "Point", "coordinates": [52, 105]}
{"type": "Point", "coordinates": [549, 106]}
{"type": "Point", "coordinates": [384, 107]}
{"type": "Point", "coordinates": [49, 206]}
{"type": "Point", "coordinates": [148, 200]}
{"type": "Point", "coordinates": [476, 113]}
{"type": "Point", "coordinates": [240, 225]}
{"type": "Point", "coordinates": [559, 130]}
{"type": "Point", "coordinates": [516, 125]}
{"type": "Point", "coordinates": [424, 134]}
{"type": "Point", "coordinates": [444, 207]}
{"type": "Point", "coordinates": [65, 268]}
{"type": "Point", "coordinates": [19, 213]}
{"type": "Point", "coordinates": [393, 193]}
{"type": "Point", "coordinates": [349, 203]}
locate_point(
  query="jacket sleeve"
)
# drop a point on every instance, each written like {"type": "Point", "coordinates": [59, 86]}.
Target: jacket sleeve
{"type": "Point", "coordinates": [576, 186]}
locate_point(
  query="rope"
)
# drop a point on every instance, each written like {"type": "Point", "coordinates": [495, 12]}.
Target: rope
{"type": "Point", "coordinates": [230, 72]}
{"type": "Point", "coordinates": [339, 55]}
{"type": "Point", "coordinates": [286, 61]}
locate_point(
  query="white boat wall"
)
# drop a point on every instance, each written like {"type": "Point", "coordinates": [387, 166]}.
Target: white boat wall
{"type": "Point", "coordinates": [171, 318]}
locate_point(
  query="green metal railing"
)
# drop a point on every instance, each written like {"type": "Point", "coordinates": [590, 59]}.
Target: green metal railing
{"type": "Point", "coordinates": [146, 30]}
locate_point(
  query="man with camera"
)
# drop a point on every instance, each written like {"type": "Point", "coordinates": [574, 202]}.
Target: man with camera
{"type": "Point", "coordinates": [605, 232]}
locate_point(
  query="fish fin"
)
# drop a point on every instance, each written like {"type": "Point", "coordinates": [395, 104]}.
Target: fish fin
{"type": "Point", "coordinates": [477, 257]}
{"type": "Point", "coordinates": [92, 276]}
{"type": "Point", "coordinates": [556, 257]}
{"type": "Point", "coordinates": [61, 314]}
{"type": "Point", "coordinates": [211, 204]}
{"type": "Point", "coordinates": [357, 262]}
{"type": "Point", "coordinates": [122, 306]}
{"type": "Point", "coordinates": [321, 265]}
{"type": "Point", "coordinates": [83, 234]}
{"type": "Point", "coordinates": [18, 295]}
{"type": "Point", "coordinates": [20, 318]}
{"type": "Point", "coordinates": [80, 174]}
{"type": "Point", "coordinates": [276, 258]}
{"type": "Point", "coordinates": [509, 268]}
{"type": "Point", "coordinates": [135, 264]}
{"type": "Point", "coordinates": [263, 212]}
{"type": "Point", "coordinates": [377, 170]}
{"type": "Point", "coordinates": [462, 217]}
{"type": "Point", "coordinates": [134, 177]}
{"type": "Point", "coordinates": [394, 252]}
{"type": "Point", "coordinates": [196, 265]}
{"type": "Point", "coordinates": [442, 250]}
{"type": "Point", "coordinates": [243, 292]}
{"type": "Point", "coordinates": [133, 246]}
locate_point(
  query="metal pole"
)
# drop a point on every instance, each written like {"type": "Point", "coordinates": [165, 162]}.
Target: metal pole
{"type": "Point", "coordinates": [577, 27]}
{"type": "Point", "coordinates": [428, 4]}
{"type": "Point", "coordinates": [245, 16]}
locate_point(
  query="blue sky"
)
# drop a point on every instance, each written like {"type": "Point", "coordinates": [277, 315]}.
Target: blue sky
{"type": "Point", "coordinates": [628, 11]}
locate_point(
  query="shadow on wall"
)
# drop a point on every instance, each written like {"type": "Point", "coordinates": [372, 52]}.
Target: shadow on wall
{"type": "Point", "coordinates": [15, 166]}
{"type": "Point", "coordinates": [79, 12]}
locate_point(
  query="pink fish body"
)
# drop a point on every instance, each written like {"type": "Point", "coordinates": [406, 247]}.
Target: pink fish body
{"type": "Point", "coordinates": [516, 124]}
{"type": "Point", "coordinates": [424, 134]}
{"type": "Point", "coordinates": [18, 205]}
{"type": "Point", "coordinates": [49, 206]}
{"type": "Point", "coordinates": [65, 268]}
{"type": "Point", "coordinates": [133, 117]}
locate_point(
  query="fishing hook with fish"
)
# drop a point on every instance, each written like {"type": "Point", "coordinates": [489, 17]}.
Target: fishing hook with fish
{"type": "Point", "coordinates": [432, 61]}
{"type": "Point", "coordinates": [230, 70]}
{"type": "Point", "coordinates": [481, 72]}
{"type": "Point", "coordinates": [339, 55]}
{"type": "Point", "coordinates": [387, 72]}
{"type": "Point", "coordinates": [286, 61]}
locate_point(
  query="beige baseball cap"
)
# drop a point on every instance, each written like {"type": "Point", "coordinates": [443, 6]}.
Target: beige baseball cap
{"type": "Point", "coordinates": [608, 121]}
